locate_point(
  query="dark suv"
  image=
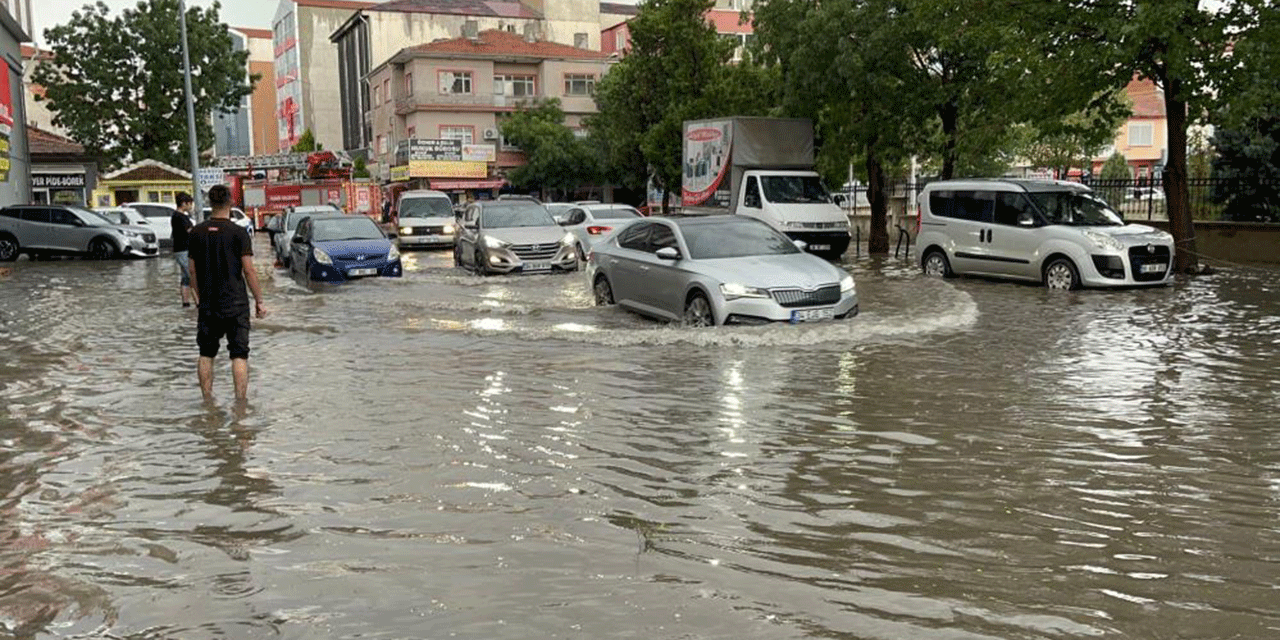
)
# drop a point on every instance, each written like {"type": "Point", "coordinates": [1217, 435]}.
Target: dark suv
{"type": "Point", "coordinates": [62, 230]}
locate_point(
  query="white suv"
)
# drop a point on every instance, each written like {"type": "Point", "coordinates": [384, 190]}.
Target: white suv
{"type": "Point", "coordinates": [1054, 232]}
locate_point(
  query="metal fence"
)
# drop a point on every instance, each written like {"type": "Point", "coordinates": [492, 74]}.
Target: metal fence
{"type": "Point", "coordinates": [1227, 199]}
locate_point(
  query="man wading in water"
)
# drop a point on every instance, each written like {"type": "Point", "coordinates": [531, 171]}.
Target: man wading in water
{"type": "Point", "coordinates": [221, 259]}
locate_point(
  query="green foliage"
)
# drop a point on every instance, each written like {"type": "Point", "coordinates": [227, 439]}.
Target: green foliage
{"type": "Point", "coordinates": [1073, 141]}
{"type": "Point", "coordinates": [359, 168]}
{"type": "Point", "coordinates": [677, 69]}
{"type": "Point", "coordinates": [1248, 163]}
{"type": "Point", "coordinates": [1116, 168]}
{"type": "Point", "coordinates": [306, 143]}
{"type": "Point", "coordinates": [116, 83]}
{"type": "Point", "coordinates": [556, 158]}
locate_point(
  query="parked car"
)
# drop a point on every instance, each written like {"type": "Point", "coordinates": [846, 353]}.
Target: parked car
{"type": "Point", "coordinates": [513, 236]}
{"type": "Point", "coordinates": [38, 230]}
{"type": "Point", "coordinates": [1142, 194]}
{"type": "Point", "coordinates": [591, 222]}
{"type": "Point", "coordinates": [425, 219]}
{"type": "Point", "coordinates": [289, 223]}
{"type": "Point", "coordinates": [712, 270]}
{"type": "Point", "coordinates": [1058, 233]}
{"type": "Point", "coordinates": [125, 216]}
{"type": "Point", "coordinates": [237, 216]}
{"type": "Point", "coordinates": [559, 210]}
{"type": "Point", "coordinates": [331, 248]}
{"type": "Point", "coordinates": [158, 214]}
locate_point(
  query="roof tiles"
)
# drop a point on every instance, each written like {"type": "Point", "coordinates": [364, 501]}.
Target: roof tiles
{"type": "Point", "coordinates": [495, 42]}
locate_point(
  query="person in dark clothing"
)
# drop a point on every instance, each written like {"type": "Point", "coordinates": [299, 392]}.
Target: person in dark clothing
{"type": "Point", "coordinates": [221, 265]}
{"type": "Point", "coordinates": [180, 223]}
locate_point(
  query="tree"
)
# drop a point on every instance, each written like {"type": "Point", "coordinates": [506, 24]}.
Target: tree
{"type": "Point", "coordinates": [1116, 168]}
{"type": "Point", "coordinates": [556, 158]}
{"type": "Point", "coordinates": [306, 143]}
{"type": "Point", "coordinates": [116, 83]}
{"type": "Point", "coordinates": [677, 69]}
{"type": "Point", "coordinates": [359, 168]}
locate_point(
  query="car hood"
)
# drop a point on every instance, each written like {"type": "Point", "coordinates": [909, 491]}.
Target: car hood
{"type": "Point", "coordinates": [527, 235]}
{"type": "Point", "coordinates": [797, 270]}
{"type": "Point", "coordinates": [351, 248]}
{"type": "Point", "coordinates": [438, 221]}
{"type": "Point", "coordinates": [1135, 234]}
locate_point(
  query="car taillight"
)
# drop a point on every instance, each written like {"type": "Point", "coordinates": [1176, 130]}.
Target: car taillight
{"type": "Point", "coordinates": [595, 231]}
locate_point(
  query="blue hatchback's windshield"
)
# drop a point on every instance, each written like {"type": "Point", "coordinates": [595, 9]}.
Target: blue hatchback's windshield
{"type": "Point", "coordinates": [735, 240]}
{"type": "Point", "coordinates": [349, 228]}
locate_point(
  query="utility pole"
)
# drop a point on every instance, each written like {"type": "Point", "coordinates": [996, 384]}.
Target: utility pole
{"type": "Point", "coordinates": [191, 115]}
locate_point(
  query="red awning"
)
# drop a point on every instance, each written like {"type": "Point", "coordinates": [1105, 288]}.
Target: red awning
{"type": "Point", "coordinates": [444, 184]}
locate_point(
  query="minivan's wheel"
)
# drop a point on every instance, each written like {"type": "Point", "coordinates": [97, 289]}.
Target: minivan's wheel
{"type": "Point", "coordinates": [1060, 274]}
{"type": "Point", "coordinates": [697, 311]}
{"type": "Point", "coordinates": [603, 291]}
{"type": "Point", "coordinates": [936, 265]}
{"type": "Point", "coordinates": [8, 248]}
{"type": "Point", "coordinates": [101, 249]}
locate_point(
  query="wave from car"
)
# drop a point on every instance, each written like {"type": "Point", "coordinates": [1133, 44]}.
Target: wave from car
{"type": "Point", "coordinates": [39, 230]}
{"type": "Point", "coordinates": [712, 270]}
{"type": "Point", "coordinates": [341, 248]}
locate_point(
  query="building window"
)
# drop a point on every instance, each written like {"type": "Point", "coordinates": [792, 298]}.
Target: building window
{"type": "Point", "coordinates": [382, 144]}
{"type": "Point", "coordinates": [412, 133]}
{"type": "Point", "coordinates": [619, 40]}
{"type": "Point", "coordinates": [386, 89]}
{"type": "Point", "coordinates": [581, 41]}
{"type": "Point", "coordinates": [408, 84]}
{"type": "Point", "coordinates": [576, 84]}
{"type": "Point", "coordinates": [376, 99]}
{"type": "Point", "coordinates": [1140, 134]}
{"type": "Point", "coordinates": [514, 86]}
{"type": "Point", "coordinates": [455, 82]}
{"type": "Point", "coordinates": [465, 134]}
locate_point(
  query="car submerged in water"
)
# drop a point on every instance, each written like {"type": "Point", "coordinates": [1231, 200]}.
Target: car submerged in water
{"type": "Point", "coordinates": [342, 248]}
{"type": "Point", "coordinates": [516, 235]}
{"type": "Point", "coordinates": [713, 270]}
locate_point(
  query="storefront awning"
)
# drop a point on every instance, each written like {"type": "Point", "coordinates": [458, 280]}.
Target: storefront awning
{"type": "Point", "coordinates": [446, 184]}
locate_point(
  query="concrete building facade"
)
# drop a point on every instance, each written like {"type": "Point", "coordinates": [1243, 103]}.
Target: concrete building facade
{"type": "Point", "coordinates": [15, 154]}
{"type": "Point", "coordinates": [251, 129]}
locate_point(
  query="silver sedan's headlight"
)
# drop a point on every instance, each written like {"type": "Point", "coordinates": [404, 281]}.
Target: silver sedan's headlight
{"type": "Point", "coordinates": [732, 290]}
{"type": "Point", "coordinates": [130, 234]}
{"type": "Point", "coordinates": [847, 285]}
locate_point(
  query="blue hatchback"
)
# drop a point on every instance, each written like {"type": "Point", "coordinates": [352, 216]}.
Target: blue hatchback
{"type": "Point", "coordinates": [341, 248]}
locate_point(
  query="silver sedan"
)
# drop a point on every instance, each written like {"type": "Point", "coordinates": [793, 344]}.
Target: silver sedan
{"type": "Point", "coordinates": [711, 270]}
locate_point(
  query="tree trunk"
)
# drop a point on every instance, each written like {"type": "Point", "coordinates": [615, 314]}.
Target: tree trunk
{"type": "Point", "coordinates": [949, 114]}
{"type": "Point", "coordinates": [878, 238]}
{"type": "Point", "coordinates": [1176, 197]}
{"type": "Point", "coordinates": [666, 195]}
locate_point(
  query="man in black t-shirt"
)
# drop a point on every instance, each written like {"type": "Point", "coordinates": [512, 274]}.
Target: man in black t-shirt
{"type": "Point", "coordinates": [221, 264]}
{"type": "Point", "coordinates": [180, 225]}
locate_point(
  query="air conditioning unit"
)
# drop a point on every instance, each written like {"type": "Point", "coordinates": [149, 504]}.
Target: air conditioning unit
{"type": "Point", "coordinates": [490, 134]}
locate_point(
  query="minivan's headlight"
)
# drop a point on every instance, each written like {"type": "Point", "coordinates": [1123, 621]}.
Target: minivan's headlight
{"type": "Point", "coordinates": [447, 230]}
{"type": "Point", "coordinates": [846, 284]}
{"type": "Point", "coordinates": [733, 290]}
{"type": "Point", "coordinates": [404, 231]}
{"type": "Point", "coordinates": [494, 243]}
{"type": "Point", "coordinates": [394, 253]}
{"type": "Point", "coordinates": [1102, 240]}
{"type": "Point", "coordinates": [321, 256]}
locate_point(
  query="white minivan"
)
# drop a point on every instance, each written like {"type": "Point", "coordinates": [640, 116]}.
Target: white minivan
{"type": "Point", "coordinates": [426, 219]}
{"type": "Point", "coordinates": [1055, 232]}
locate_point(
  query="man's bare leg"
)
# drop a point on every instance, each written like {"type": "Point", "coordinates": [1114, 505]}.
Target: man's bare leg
{"type": "Point", "coordinates": [240, 373]}
{"type": "Point", "coordinates": [205, 371]}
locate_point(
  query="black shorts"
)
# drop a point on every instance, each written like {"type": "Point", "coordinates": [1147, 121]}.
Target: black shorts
{"type": "Point", "coordinates": [211, 328]}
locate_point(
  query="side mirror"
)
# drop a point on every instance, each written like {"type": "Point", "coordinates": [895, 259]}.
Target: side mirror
{"type": "Point", "coordinates": [800, 244]}
{"type": "Point", "coordinates": [668, 253]}
{"type": "Point", "coordinates": [298, 240]}
{"type": "Point", "coordinates": [562, 221]}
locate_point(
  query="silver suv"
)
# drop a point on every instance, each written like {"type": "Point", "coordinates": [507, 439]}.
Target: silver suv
{"type": "Point", "coordinates": [513, 236]}
{"type": "Point", "coordinates": [38, 230]}
{"type": "Point", "coordinates": [1054, 232]}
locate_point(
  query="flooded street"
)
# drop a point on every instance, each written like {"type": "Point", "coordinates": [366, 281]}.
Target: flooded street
{"type": "Point", "coordinates": [449, 456]}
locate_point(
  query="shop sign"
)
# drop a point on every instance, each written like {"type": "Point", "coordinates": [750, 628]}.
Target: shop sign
{"type": "Point", "coordinates": [410, 150]}
{"type": "Point", "coordinates": [400, 173]}
{"type": "Point", "coordinates": [57, 181]}
{"type": "Point", "coordinates": [446, 169]}
{"type": "Point", "coordinates": [479, 153]}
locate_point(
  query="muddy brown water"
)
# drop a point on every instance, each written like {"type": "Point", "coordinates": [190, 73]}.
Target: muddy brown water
{"type": "Point", "coordinates": [446, 456]}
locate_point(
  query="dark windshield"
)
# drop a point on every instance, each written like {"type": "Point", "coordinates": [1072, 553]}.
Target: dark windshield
{"type": "Point", "coordinates": [436, 207]}
{"type": "Point", "coordinates": [521, 214]}
{"type": "Point", "coordinates": [291, 221]}
{"type": "Point", "coordinates": [1075, 208]}
{"type": "Point", "coordinates": [352, 228]}
{"type": "Point", "coordinates": [614, 214]}
{"type": "Point", "coordinates": [114, 217]}
{"type": "Point", "coordinates": [794, 189]}
{"type": "Point", "coordinates": [735, 240]}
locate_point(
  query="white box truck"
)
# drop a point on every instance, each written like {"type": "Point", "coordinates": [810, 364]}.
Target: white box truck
{"type": "Point", "coordinates": [763, 168]}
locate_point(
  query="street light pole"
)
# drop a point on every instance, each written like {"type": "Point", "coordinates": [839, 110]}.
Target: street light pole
{"type": "Point", "coordinates": [191, 115]}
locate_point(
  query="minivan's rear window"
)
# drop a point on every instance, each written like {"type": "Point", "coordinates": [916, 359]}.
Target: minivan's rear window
{"type": "Point", "coordinates": [977, 206]}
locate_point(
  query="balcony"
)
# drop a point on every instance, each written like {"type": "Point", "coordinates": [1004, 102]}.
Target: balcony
{"type": "Point", "coordinates": [432, 101]}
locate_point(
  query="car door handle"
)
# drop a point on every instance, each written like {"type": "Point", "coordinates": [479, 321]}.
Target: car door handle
{"type": "Point", "coordinates": [644, 267]}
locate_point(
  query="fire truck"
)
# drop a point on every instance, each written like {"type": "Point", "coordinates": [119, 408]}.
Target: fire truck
{"type": "Point", "coordinates": [268, 184]}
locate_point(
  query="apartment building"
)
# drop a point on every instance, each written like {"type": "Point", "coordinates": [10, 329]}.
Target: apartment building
{"type": "Point", "coordinates": [461, 89]}
{"type": "Point", "coordinates": [251, 129]}
{"type": "Point", "coordinates": [727, 16]}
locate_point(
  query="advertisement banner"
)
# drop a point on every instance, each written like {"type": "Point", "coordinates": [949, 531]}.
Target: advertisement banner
{"type": "Point", "coordinates": [6, 121]}
{"type": "Point", "coordinates": [400, 173]}
{"type": "Point", "coordinates": [706, 159]}
{"type": "Point", "coordinates": [410, 150]}
{"type": "Point", "coordinates": [479, 153]}
{"type": "Point", "coordinates": [447, 169]}
{"type": "Point", "coordinates": [363, 201]}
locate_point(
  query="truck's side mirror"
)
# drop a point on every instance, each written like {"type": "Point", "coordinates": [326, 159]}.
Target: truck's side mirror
{"type": "Point", "coordinates": [751, 200]}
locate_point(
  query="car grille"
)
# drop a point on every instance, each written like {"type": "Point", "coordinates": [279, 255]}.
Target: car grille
{"type": "Point", "coordinates": [1148, 254]}
{"type": "Point", "coordinates": [425, 231]}
{"type": "Point", "coordinates": [799, 298]}
{"type": "Point", "coordinates": [148, 237]}
{"type": "Point", "coordinates": [535, 251]}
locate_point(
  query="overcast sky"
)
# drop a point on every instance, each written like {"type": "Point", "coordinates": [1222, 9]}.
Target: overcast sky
{"type": "Point", "coordinates": [236, 13]}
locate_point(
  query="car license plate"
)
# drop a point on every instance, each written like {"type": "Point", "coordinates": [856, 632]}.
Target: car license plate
{"type": "Point", "coordinates": [537, 266]}
{"type": "Point", "coordinates": [813, 315]}
{"type": "Point", "coordinates": [818, 247]}
{"type": "Point", "coordinates": [1157, 267]}
{"type": "Point", "coordinates": [355, 273]}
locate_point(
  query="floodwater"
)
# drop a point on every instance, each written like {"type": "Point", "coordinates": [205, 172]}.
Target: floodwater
{"type": "Point", "coordinates": [447, 456]}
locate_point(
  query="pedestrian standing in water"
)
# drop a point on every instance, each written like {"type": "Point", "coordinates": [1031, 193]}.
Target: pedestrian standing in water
{"type": "Point", "coordinates": [180, 223]}
{"type": "Point", "coordinates": [221, 265]}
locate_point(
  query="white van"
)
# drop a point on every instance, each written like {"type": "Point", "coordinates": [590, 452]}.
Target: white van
{"type": "Point", "coordinates": [425, 219]}
{"type": "Point", "coordinates": [1055, 232]}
